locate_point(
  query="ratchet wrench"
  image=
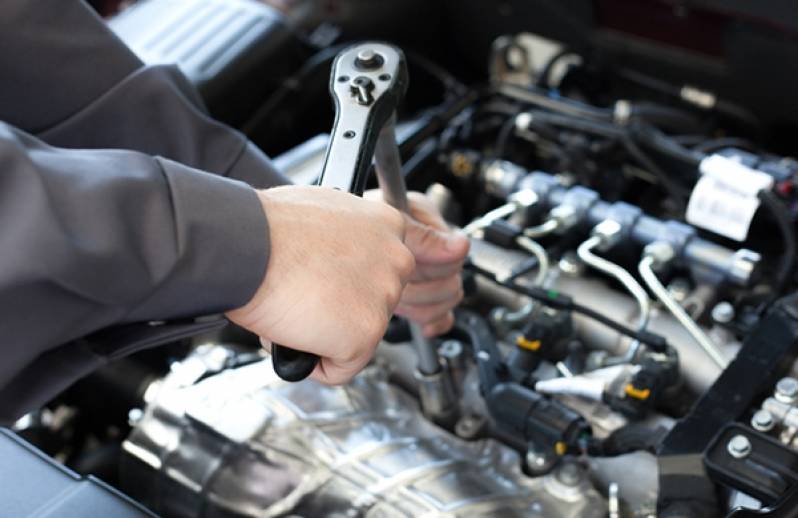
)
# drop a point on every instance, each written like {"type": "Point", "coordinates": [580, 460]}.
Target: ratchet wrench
{"type": "Point", "coordinates": [367, 83]}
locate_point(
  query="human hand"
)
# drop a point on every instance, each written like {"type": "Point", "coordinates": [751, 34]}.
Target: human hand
{"type": "Point", "coordinates": [337, 267]}
{"type": "Point", "coordinates": [436, 286]}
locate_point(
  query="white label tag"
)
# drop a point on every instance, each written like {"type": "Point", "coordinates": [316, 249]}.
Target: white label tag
{"type": "Point", "coordinates": [724, 199]}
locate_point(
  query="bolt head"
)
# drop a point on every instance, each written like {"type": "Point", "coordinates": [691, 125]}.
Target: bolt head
{"type": "Point", "coordinates": [134, 416]}
{"type": "Point", "coordinates": [762, 421]}
{"type": "Point", "coordinates": [739, 446]}
{"type": "Point", "coordinates": [787, 390]}
{"type": "Point", "coordinates": [723, 312]}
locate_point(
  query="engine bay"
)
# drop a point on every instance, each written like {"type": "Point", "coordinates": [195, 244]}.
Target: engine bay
{"type": "Point", "coordinates": [627, 343]}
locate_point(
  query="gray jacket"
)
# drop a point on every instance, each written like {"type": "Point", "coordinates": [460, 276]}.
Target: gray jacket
{"type": "Point", "coordinates": [121, 200]}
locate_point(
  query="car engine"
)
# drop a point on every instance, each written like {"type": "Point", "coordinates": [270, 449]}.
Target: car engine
{"type": "Point", "coordinates": [627, 343]}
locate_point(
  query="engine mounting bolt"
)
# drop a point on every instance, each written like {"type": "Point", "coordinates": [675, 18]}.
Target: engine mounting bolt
{"type": "Point", "coordinates": [787, 390]}
{"type": "Point", "coordinates": [723, 312]}
{"type": "Point", "coordinates": [762, 421]}
{"type": "Point", "coordinates": [739, 446]}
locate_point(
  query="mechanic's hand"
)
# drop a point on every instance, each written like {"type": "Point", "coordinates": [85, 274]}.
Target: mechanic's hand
{"type": "Point", "coordinates": [337, 268]}
{"type": "Point", "coordinates": [436, 286]}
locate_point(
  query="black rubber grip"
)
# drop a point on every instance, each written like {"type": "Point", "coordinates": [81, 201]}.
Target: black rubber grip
{"type": "Point", "coordinates": [293, 365]}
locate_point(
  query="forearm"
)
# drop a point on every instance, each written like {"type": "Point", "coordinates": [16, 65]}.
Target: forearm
{"type": "Point", "coordinates": [95, 238]}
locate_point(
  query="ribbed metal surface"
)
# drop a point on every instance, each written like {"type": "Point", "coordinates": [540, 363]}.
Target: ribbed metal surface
{"type": "Point", "coordinates": [200, 36]}
{"type": "Point", "coordinates": [250, 444]}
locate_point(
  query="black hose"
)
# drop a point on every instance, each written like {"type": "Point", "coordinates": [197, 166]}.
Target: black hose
{"type": "Point", "coordinates": [655, 139]}
{"type": "Point", "coordinates": [666, 117]}
{"type": "Point", "coordinates": [674, 190]}
{"type": "Point", "coordinates": [721, 106]}
{"type": "Point", "coordinates": [558, 300]}
{"type": "Point", "coordinates": [450, 83]}
{"type": "Point", "coordinates": [503, 138]}
{"type": "Point", "coordinates": [787, 229]}
{"type": "Point", "coordinates": [292, 84]}
{"type": "Point", "coordinates": [564, 106]}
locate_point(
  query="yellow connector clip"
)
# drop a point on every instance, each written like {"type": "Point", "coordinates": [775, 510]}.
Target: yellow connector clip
{"type": "Point", "coordinates": [641, 394]}
{"type": "Point", "coordinates": [529, 345]}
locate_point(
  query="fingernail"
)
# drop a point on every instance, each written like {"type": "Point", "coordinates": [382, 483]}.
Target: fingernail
{"type": "Point", "coordinates": [455, 239]}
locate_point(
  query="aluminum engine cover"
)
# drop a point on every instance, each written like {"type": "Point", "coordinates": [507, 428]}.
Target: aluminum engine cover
{"type": "Point", "coordinates": [244, 443]}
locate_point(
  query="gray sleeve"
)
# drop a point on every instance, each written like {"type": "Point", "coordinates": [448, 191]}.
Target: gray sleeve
{"type": "Point", "coordinates": [92, 238]}
{"type": "Point", "coordinates": [107, 217]}
{"type": "Point", "coordinates": [74, 84]}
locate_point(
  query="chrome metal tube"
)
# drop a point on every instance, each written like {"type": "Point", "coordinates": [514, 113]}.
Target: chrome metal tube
{"type": "Point", "coordinates": [534, 248]}
{"type": "Point", "coordinates": [508, 209]}
{"type": "Point", "coordinates": [544, 229]}
{"type": "Point", "coordinates": [661, 292]}
{"type": "Point", "coordinates": [585, 253]}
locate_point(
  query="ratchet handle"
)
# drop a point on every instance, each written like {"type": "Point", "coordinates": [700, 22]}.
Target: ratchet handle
{"type": "Point", "coordinates": [293, 365]}
{"type": "Point", "coordinates": [367, 82]}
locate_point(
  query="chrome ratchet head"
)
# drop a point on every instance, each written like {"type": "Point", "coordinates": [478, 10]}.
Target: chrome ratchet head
{"type": "Point", "coordinates": [367, 83]}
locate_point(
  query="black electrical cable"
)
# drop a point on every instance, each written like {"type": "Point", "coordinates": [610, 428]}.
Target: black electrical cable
{"type": "Point", "coordinates": [655, 139]}
{"type": "Point", "coordinates": [450, 83]}
{"type": "Point", "coordinates": [787, 229]}
{"type": "Point", "coordinates": [562, 105]}
{"type": "Point", "coordinates": [292, 84]}
{"type": "Point", "coordinates": [555, 299]}
{"type": "Point", "coordinates": [665, 117]}
{"type": "Point", "coordinates": [503, 138]}
{"type": "Point", "coordinates": [673, 189]}
{"type": "Point", "coordinates": [720, 105]}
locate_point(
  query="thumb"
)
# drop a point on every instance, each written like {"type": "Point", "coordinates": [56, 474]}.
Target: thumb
{"type": "Point", "coordinates": [432, 246]}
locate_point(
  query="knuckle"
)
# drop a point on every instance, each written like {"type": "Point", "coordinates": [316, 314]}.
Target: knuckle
{"type": "Point", "coordinates": [407, 264]}
{"type": "Point", "coordinates": [394, 294]}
